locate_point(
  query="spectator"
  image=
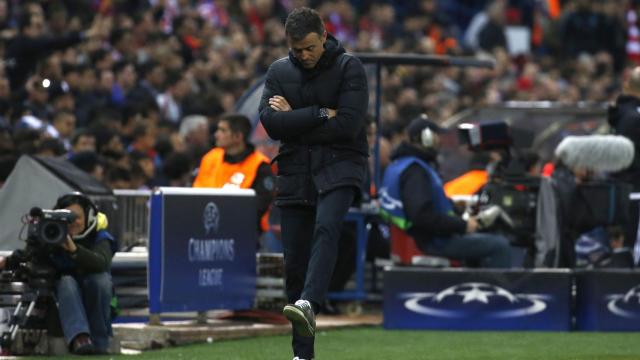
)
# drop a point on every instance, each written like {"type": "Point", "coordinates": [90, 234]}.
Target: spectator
{"type": "Point", "coordinates": [32, 44]}
{"type": "Point", "coordinates": [177, 169]}
{"type": "Point", "coordinates": [149, 87]}
{"type": "Point", "coordinates": [170, 102]}
{"type": "Point", "coordinates": [83, 140]}
{"type": "Point", "coordinates": [61, 97]}
{"type": "Point", "coordinates": [492, 34]}
{"type": "Point", "coordinates": [234, 163]}
{"type": "Point", "coordinates": [89, 162]}
{"type": "Point", "coordinates": [65, 124]}
{"type": "Point", "coordinates": [37, 101]}
{"type": "Point", "coordinates": [194, 131]}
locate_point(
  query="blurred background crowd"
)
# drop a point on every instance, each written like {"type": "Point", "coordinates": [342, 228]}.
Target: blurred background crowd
{"type": "Point", "coordinates": [130, 91]}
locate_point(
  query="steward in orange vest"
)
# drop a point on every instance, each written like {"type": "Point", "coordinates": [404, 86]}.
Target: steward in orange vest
{"type": "Point", "coordinates": [234, 163]}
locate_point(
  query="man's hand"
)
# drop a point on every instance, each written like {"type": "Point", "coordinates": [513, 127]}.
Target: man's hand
{"type": "Point", "coordinates": [3, 262]}
{"type": "Point", "coordinates": [279, 103]}
{"type": "Point", "coordinates": [332, 112]}
{"type": "Point", "coordinates": [472, 225]}
{"type": "Point", "coordinates": [69, 245]}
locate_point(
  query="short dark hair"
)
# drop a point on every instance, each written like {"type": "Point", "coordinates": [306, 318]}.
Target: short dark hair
{"type": "Point", "coordinates": [301, 22]}
{"type": "Point", "coordinates": [238, 123]}
{"type": "Point", "coordinates": [80, 133]}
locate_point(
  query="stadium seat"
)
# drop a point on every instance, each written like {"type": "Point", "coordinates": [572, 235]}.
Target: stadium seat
{"type": "Point", "coordinates": [404, 251]}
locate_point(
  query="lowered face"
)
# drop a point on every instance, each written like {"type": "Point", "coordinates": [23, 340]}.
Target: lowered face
{"type": "Point", "coordinates": [308, 50]}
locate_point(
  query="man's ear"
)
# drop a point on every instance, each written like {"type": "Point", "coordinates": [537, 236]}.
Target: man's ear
{"type": "Point", "coordinates": [324, 36]}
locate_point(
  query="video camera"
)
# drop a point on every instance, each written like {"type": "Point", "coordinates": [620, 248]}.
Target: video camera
{"type": "Point", "coordinates": [29, 269]}
{"type": "Point", "coordinates": [49, 227]}
{"type": "Point", "coordinates": [509, 186]}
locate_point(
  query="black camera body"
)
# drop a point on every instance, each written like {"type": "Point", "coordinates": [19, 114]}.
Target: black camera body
{"type": "Point", "coordinates": [49, 227]}
{"type": "Point", "coordinates": [509, 186]}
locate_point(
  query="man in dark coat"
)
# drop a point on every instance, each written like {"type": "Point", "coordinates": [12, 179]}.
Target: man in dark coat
{"type": "Point", "coordinates": [314, 102]}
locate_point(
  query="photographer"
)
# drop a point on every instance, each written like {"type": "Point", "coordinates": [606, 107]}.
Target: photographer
{"type": "Point", "coordinates": [84, 286]}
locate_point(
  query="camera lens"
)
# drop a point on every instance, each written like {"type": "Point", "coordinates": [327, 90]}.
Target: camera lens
{"type": "Point", "coordinates": [53, 232]}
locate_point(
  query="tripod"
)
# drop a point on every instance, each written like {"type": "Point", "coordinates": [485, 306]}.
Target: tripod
{"type": "Point", "coordinates": [30, 313]}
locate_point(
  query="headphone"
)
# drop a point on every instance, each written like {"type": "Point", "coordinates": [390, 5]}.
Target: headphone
{"type": "Point", "coordinates": [89, 208]}
{"type": "Point", "coordinates": [427, 138]}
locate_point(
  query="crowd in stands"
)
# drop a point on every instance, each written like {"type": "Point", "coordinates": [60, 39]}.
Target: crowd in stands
{"type": "Point", "coordinates": [131, 91]}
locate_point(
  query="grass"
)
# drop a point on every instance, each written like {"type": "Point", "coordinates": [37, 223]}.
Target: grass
{"type": "Point", "coordinates": [377, 343]}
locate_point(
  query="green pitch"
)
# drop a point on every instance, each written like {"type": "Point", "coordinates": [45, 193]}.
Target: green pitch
{"type": "Point", "coordinates": [376, 343]}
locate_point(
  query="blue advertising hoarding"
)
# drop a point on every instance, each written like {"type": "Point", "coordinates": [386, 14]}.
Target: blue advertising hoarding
{"type": "Point", "coordinates": [608, 300]}
{"type": "Point", "coordinates": [454, 299]}
{"type": "Point", "coordinates": [202, 249]}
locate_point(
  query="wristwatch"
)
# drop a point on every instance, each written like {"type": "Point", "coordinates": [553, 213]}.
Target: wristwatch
{"type": "Point", "coordinates": [323, 113]}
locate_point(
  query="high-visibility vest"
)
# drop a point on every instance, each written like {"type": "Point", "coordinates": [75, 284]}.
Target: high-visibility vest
{"type": "Point", "coordinates": [216, 173]}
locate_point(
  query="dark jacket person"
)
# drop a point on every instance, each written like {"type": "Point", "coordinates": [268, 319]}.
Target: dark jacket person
{"type": "Point", "coordinates": [412, 198]}
{"type": "Point", "coordinates": [314, 102]}
{"type": "Point", "coordinates": [624, 119]}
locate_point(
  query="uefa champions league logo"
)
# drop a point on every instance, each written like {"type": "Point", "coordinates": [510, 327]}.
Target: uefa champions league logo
{"type": "Point", "coordinates": [473, 299]}
{"type": "Point", "coordinates": [387, 202]}
{"type": "Point", "coordinates": [625, 305]}
{"type": "Point", "coordinates": [211, 218]}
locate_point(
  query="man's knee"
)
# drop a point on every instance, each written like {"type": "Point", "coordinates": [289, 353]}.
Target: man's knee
{"type": "Point", "coordinates": [67, 283]}
{"type": "Point", "coordinates": [99, 283]}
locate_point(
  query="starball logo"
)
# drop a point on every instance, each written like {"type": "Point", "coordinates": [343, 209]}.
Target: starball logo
{"type": "Point", "coordinates": [625, 305]}
{"type": "Point", "coordinates": [211, 219]}
{"type": "Point", "coordinates": [475, 299]}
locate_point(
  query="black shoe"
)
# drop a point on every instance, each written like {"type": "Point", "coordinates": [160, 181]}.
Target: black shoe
{"type": "Point", "coordinates": [302, 317]}
{"type": "Point", "coordinates": [82, 345]}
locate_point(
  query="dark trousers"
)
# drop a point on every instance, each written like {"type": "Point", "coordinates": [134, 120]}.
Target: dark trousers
{"type": "Point", "coordinates": [310, 239]}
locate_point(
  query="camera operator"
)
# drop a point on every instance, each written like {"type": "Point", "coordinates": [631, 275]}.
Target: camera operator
{"type": "Point", "coordinates": [413, 198]}
{"type": "Point", "coordinates": [578, 203]}
{"type": "Point", "coordinates": [84, 286]}
{"type": "Point", "coordinates": [624, 119]}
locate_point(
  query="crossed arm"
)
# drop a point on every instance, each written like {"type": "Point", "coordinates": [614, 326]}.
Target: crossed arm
{"type": "Point", "coordinates": [282, 122]}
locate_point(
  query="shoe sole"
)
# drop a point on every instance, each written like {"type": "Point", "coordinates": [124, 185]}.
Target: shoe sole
{"type": "Point", "coordinates": [299, 321]}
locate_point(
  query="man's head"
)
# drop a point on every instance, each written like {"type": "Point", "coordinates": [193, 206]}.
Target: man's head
{"type": "Point", "coordinates": [233, 133]}
{"type": "Point", "coordinates": [424, 133]}
{"type": "Point", "coordinates": [177, 84]}
{"type": "Point", "coordinates": [83, 140]}
{"type": "Point", "coordinates": [65, 123]}
{"type": "Point", "coordinates": [61, 97]}
{"type": "Point", "coordinates": [194, 129]}
{"type": "Point", "coordinates": [85, 211]}
{"type": "Point", "coordinates": [31, 25]}
{"type": "Point", "coordinates": [305, 36]}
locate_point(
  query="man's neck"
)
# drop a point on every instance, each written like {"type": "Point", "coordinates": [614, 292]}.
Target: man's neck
{"type": "Point", "coordinates": [235, 150]}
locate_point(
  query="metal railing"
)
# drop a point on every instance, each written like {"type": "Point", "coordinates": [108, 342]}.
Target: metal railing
{"type": "Point", "coordinates": [131, 225]}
